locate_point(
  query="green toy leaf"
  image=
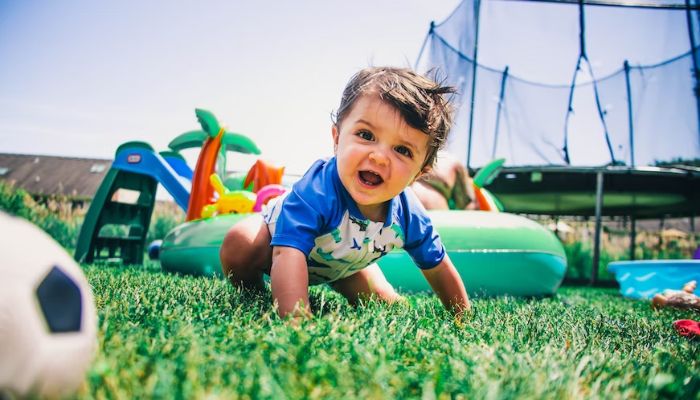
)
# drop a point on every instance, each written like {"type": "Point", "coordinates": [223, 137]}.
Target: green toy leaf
{"type": "Point", "coordinates": [188, 140]}
{"type": "Point", "coordinates": [239, 143]}
{"type": "Point", "coordinates": [489, 172]}
{"type": "Point", "coordinates": [209, 123]}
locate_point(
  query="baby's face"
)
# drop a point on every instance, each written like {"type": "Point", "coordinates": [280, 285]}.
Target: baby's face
{"type": "Point", "coordinates": [378, 154]}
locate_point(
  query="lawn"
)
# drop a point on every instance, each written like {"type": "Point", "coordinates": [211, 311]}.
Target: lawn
{"type": "Point", "coordinates": [168, 336]}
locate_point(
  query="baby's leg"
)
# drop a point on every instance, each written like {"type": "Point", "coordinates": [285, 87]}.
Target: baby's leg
{"type": "Point", "coordinates": [683, 300]}
{"type": "Point", "coordinates": [463, 191]}
{"type": "Point", "coordinates": [690, 287]}
{"type": "Point", "coordinates": [430, 198]}
{"type": "Point", "coordinates": [365, 284]}
{"type": "Point", "coordinates": [246, 253]}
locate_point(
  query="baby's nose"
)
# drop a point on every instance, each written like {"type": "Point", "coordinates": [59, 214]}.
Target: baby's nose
{"type": "Point", "coordinates": [379, 157]}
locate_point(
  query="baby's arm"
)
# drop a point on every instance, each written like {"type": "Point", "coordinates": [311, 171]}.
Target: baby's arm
{"type": "Point", "coordinates": [289, 278]}
{"type": "Point", "coordinates": [448, 285]}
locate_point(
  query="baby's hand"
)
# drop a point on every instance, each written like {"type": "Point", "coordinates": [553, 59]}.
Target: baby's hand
{"type": "Point", "coordinates": [399, 300]}
{"type": "Point", "coordinates": [297, 320]}
{"type": "Point", "coordinates": [462, 317]}
{"type": "Point", "coordinates": [289, 282]}
{"type": "Point", "coordinates": [299, 311]}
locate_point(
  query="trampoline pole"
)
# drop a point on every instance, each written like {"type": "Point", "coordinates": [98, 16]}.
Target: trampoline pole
{"type": "Point", "coordinates": [633, 237]}
{"type": "Point", "coordinates": [692, 223]}
{"type": "Point", "coordinates": [477, 11]}
{"type": "Point", "coordinates": [598, 226]}
{"type": "Point", "coordinates": [630, 125]}
{"type": "Point", "coordinates": [504, 77]}
{"type": "Point", "coordinates": [693, 50]}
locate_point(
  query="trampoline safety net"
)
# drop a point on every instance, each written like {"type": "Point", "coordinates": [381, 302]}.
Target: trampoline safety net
{"type": "Point", "coordinates": [569, 83]}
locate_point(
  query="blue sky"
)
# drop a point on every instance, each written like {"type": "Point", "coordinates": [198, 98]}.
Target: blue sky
{"type": "Point", "coordinates": [79, 77]}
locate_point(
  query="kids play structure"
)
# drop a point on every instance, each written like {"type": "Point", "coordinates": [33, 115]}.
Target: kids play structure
{"type": "Point", "coordinates": [117, 222]}
{"type": "Point", "coordinates": [485, 245]}
{"type": "Point", "coordinates": [582, 98]}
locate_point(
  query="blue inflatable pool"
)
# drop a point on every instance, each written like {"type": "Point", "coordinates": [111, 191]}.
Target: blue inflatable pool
{"type": "Point", "coordinates": [645, 278]}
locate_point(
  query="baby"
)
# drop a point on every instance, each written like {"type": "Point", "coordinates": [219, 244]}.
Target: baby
{"type": "Point", "coordinates": [348, 211]}
{"type": "Point", "coordinates": [447, 186]}
{"type": "Point", "coordinates": [684, 298]}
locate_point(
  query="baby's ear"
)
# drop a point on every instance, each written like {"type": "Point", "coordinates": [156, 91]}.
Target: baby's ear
{"type": "Point", "coordinates": [425, 170]}
{"type": "Point", "coordinates": [334, 131]}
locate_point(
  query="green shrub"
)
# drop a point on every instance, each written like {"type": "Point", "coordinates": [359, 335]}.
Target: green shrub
{"type": "Point", "coordinates": [64, 229]}
{"type": "Point", "coordinates": [615, 247]}
{"type": "Point", "coordinates": [165, 218]}
{"type": "Point", "coordinates": [64, 232]}
{"type": "Point", "coordinates": [579, 257]}
{"type": "Point", "coordinates": [14, 201]}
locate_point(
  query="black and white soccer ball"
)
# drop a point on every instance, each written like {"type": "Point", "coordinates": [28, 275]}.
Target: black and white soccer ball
{"type": "Point", "coordinates": [48, 323]}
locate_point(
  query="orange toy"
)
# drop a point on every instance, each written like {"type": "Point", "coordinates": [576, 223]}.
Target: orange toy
{"type": "Point", "coordinates": [484, 200]}
{"type": "Point", "coordinates": [263, 174]}
{"type": "Point", "coordinates": [202, 192]}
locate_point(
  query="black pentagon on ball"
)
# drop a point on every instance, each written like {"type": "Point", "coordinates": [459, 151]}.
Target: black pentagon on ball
{"type": "Point", "coordinates": [61, 301]}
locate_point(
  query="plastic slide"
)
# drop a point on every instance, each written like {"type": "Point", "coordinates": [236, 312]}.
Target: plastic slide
{"type": "Point", "coordinates": [178, 163]}
{"type": "Point", "coordinates": [116, 225]}
{"type": "Point", "coordinates": [139, 157]}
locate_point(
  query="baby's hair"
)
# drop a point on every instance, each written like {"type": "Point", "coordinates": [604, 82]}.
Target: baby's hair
{"type": "Point", "coordinates": [421, 102]}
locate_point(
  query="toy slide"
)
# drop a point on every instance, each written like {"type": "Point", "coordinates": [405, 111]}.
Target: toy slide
{"type": "Point", "coordinates": [117, 222]}
{"type": "Point", "coordinates": [178, 163]}
{"type": "Point", "coordinates": [139, 157]}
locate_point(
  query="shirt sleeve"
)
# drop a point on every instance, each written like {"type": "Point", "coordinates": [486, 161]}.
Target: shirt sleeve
{"type": "Point", "coordinates": [301, 218]}
{"type": "Point", "coordinates": [422, 242]}
{"type": "Point", "coordinates": [297, 225]}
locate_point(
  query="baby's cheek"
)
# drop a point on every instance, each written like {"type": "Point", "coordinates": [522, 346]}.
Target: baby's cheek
{"type": "Point", "coordinates": [410, 171]}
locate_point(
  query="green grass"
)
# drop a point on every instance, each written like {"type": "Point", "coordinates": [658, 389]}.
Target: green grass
{"type": "Point", "coordinates": [173, 337]}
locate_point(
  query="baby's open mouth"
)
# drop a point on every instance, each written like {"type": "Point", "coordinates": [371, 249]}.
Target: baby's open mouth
{"type": "Point", "coordinates": [370, 178]}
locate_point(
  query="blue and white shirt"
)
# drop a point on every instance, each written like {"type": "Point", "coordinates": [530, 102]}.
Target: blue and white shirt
{"type": "Point", "coordinates": [320, 218]}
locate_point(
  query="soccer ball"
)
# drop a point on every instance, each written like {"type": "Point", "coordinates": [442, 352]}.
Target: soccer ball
{"type": "Point", "coordinates": [48, 323]}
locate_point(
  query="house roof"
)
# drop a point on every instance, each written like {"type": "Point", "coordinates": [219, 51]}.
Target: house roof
{"type": "Point", "coordinates": [51, 175]}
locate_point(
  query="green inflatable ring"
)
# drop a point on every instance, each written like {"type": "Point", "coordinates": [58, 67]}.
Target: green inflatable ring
{"type": "Point", "coordinates": [494, 253]}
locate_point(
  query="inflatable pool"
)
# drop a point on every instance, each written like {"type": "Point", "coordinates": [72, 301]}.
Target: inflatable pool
{"type": "Point", "coordinates": [495, 253]}
{"type": "Point", "coordinates": [644, 278]}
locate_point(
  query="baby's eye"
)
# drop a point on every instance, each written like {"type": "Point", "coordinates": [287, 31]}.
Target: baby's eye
{"type": "Point", "coordinates": [404, 151]}
{"type": "Point", "coordinates": [365, 135]}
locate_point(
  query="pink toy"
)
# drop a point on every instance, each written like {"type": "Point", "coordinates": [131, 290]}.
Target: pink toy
{"type": "Point", "coordinates": [266, 193]}
{"type": "Point", "coordinates": [687, 327]}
